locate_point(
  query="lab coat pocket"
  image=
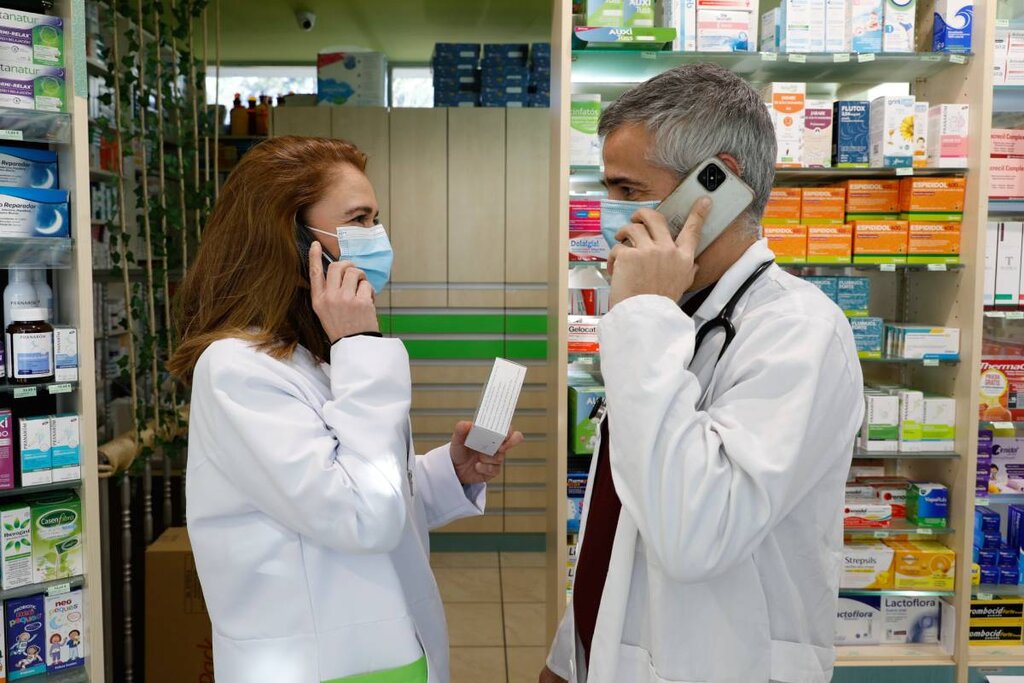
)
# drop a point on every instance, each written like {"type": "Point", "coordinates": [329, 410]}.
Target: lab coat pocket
{"type": "Point", "coordinates": [635, 664]}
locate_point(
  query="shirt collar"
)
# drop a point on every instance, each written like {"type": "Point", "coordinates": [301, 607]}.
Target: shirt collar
{"type": "Point", "coordinates": [733, 278]}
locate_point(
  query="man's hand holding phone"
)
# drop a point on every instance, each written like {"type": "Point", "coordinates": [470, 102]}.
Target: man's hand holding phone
{"type": "Point", "coordinates": [342, 298]}
{"type": "Point", "coordinates": [655, 263]}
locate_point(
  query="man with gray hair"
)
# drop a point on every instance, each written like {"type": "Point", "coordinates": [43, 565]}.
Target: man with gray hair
{"type": "Point", "coordinates": [713, 521]}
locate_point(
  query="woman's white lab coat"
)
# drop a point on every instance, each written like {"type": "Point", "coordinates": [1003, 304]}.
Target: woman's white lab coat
{"type": "Point", "coordinates": [308, 513]}
{"type": "Point", "coordinates": [725, 565]}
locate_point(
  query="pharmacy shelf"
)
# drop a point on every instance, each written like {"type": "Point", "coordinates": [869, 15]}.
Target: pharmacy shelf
{"type": "Point", "coordinates": [602, 66]}
{"type": "Point", "coordinates": [986, 591]}
{"type": "Point", "coordinates": [1006, 207]}
{"type": "Point", "coordinates": [879, 267]}
{"type": "Point", "coordinates": [582, 173]}
{"type": "Point", "coordinates": [33, 390]}
{"type": "Point", "coordinates": [897, 594]}
{"type": "Point", "coordinates": [996, 655]}
{"type": "Point", "coordinates": [925, 455]}
{"type": "Point", "coordinates": [886, 655]}
{"type": "Point", "coordinates": [927, 362]}
{"type": "Point", "coordinates": [77, 675]}
{"type": "Point", "coordinates": [897, 529]}
{"type": "Point", "coordinates": [42, 588]}
{"type": "Point", "coordinates": [1000, 499]}
{"type": "Point", "coordinates": [49, 252]}
{"type": "Point", "coordinates": [27, 125]}
{"type": "Point", "coordinates": [33, 490]}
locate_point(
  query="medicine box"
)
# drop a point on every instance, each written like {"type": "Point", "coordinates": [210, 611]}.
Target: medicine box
{"type": "Point", "coordinates": [351, 78]}
{"type": "Point", "coordinates": [850, 133]}
{"type": "Point", "coordinates": [859, 491]}
{"type": "Point", "coordinates": [583, 334]}
{"type": "Point", "coordinates": [865, 25]}
{"type": "Point", "coordinates": [858, 620]}
{"type": "Point", "coordinates": [880, 431]}
{"type": "Point", "coordinates": [939, 424]}
{"type": "Point", "coordinates": [455, 53]}
{"type": "Point", "coordinates": [25, 167]}
{"type": "Point", "coordinates": [65, 632]}
{"type": "Point", "coordinates": [585, 215]}
{"type": "Point", "coordinates": [913, 619]}
{"type": "Point", "coordinates": [802, 26]}
{"type": "Point", "coordinates": [1006, 178]}
{"type": "Point", "coordinates": [954, 20]}
{"type": "Point", "coordinates": [892, 131]}
{"type": "Point", "coordinates": [867, 565]}
{"type": "Point", "coordinates": [829, 286]}
{"type": "Point", "coordinates": [15, 545]}
{"type": "Point", "coordinates": [985, 519]}
{"type": "Point", "coordinates": [911, 420]}
{"type": "Point", "coordinates": [932, 195]}
{"type": "Point", "coordinates": [874, 468]}
{"type": "Point", "coordinates": [35, 452]}
{"type": "Point", "coordinates": [916, 342]}
{"type": "Point", "coordinates": [56, 536]}
{"type": "Point", "coordinates": [34, 213]}
{"type": "Point", "coordinates": [41, 88]}
{"type": "Point", "coordinates": [784, 206]}
{"type": "Point", "coordinates": [1000, 54]}
{"type": "Point", "coordinates": [922, 565]}
{"type": "Point", "coordinates": [853, 295]}
{"type": "Point", "coordinates": [995, 632]}
{"type": "Point", "coordinates": [1001, 389]}
{"type": "Point", "coordinates": [770, 30]}
{"type": "Point", "coordinates": [867, 336]}
{"type": "Point", "coordinates": [66, 448]}
{"type": "Point", "coordinates": [818, 134]}
{"type": "Point", "coordinates": [787, 242]}
{"type": "Point", "coordinates": [880, 241]}
{"type": "Point", "coordinates": [861, 513]}
{"type": "Point", "coordinates": [26, 629]}
{"type": "Point", "coordinates": [933, 242]}
{"type": "Point", "coordinates": [722, 31]}
{"type": "Point", "coordinates": [898, 32]}
{"type": "Point", "coordinates": [7, 451]}
{"type": "Point", "coordinates": [1008, 266]}
{"type": "Point", "coordinates": [584, 144]}
{"type": "Point", "coordinates": [516, 54]}
{"type": "Point", "coordinates": [610, 13]}
{"type": "Point", "coordinates": [991, 259]}
{"type": "Point", "coordinates": [948, 135]}
{"type": "Point", "coordinates": [872, 196]}
{"type": "Point", "coordinates": [682, 16]}
{"type": "Point", "coordinates": [823, 205]}
{"type": "Point", "coordinates": [27, 38]}
{"type": "Point", "coordinates": [786, 103]}
{"type": "Point", "coordinates": [587, 246]}
{"type": "Point", "coordinates": [65, 354]}
{"type": "Point", "coordinates": [920, 134]}
{"type": "Point", "coordinates": [835, 26]}
{"type": "Point", "coordinates": [829, 243]}
{"type": "Point", "coordinates": [583, 430]}
{"type": "Point", "coordinates": [997, 608]}
{"type": "Point", "coordinates": [1007, 142]}
{"type": "Point", "coordinates": [928, 505]}
{"type": "Point", "coordinates": [1006, 470]}
{"type": "Point", "coordinates": [894, 495]}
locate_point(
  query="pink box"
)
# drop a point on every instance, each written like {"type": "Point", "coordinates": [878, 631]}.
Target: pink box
{"type": "Point", "coordinates": [738, 5]}
{"type": "Point", "coordinates": [6, 450]}
{"type": "Point", "coordinates": [587, 246]}
{"type": "Point", "coordinates": [1007, 142]}
{"type": "Point", "coordinates": [1006, 179]}
{"type": "Point", "coordinates": [584, 215]}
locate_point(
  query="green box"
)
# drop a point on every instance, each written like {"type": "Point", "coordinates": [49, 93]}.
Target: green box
{"type": "Point", "coordinates": [927, 505]}
{"type": "Point", "coordinates": [16, 545]}
{"type": "Point", "coordinates": [56, 536]}
{"type": "Point", "coordinates": [609, 13]}
{"type": "Point", "coordinates": [583, 430]}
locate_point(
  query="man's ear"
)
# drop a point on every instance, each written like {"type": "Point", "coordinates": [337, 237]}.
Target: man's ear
{"type": "Point", "coordinates": [733, 164]}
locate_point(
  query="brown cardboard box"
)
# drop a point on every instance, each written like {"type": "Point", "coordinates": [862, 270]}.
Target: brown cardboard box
{"type": "Point", "coordinates": [179, 639]}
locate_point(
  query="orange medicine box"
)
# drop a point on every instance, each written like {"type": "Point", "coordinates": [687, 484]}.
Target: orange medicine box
{"type": "Point", "coordinates": [933, 242]}
{"type": "Point", "coordinates": [823, 205]}
{"type": "Point", "coordinates": [872, 196]}
{"type": "Point", "coordinates": [788, 242]}
{"type": "Point", "coordinates": [783, 206]}
{"type": "Point", "coordinates": [880, 241]}
{"type": "Point", "coordinates": [829, 243]}
{"type": "Point", "coordinates": [932, 195]}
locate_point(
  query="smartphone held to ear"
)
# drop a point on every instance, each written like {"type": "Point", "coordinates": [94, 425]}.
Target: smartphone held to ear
{"type": "Point", "coordinates": [304, 240]}
{"type": "Point", "coordinates": [729, 196]}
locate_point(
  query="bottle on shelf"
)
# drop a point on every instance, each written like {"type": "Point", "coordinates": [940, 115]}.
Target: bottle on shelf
{"type": "Point", "coordinates": [30, 347]}
{"type": "Point", "coordinates": [43, 292]}
{"type": "Point", "coordinates": [263, 116]}
{"type": "Point", "coordinates": [251, 113]}
{"type": "Point", "coordinates": [239, 118]}
{"type": "Point", "coordinates": [19, 293]}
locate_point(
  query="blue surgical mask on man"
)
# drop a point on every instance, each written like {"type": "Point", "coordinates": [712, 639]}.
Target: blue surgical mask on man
{"type": "Point", "coordinates": [617, 214]}
{"type": "Point", "coordinates": [369, 249]}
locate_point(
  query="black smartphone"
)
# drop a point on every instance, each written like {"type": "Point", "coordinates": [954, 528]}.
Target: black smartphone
{"type": "Point", "coordinates": [304, 239]}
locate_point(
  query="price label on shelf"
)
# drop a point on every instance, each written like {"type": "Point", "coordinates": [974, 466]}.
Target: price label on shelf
{"type": "Point", "coordinates": [887, 267]}
{"type": "Point", "coordinates": [985, 596]}
{"type": "Point", "coordinates": [866, 57]}
{"type": "Point", "coordinates": [907, 170]}
{"type": "Point", "coordinates": [60, 388]}
{"type": "Point", "coordinates": [841, 57]}
{"type": "Point", "coordinates": [59, 589]}
{"type": "Point", "coordinates": [981, 501]}
{"type": "Point", "coordinates": [24, 392]}
{"type": "Point", "coordinates": [957, 59]}
{"type": "Point", "coordinates": [937, 267]}
{"type": "Point", "coordinates": [798, 59]}
{"type": "Point", "coordinates": [7, 134]}
{"type": "Point", "coordinates": [931, 58]}
{"type": "Point", "coordinates": [931, 362]}
{"type": "Point", "coordinates": [995, 314]}
{"type": "Point", "coordinates": [1002, 23]}
{"type": "Point", "coordinates": [926, 532]}
{"type": "Point", "coordinates": [1015, 315]}
{"type": "Point", "coordinates": [1002, 425]}
{"type": "Point", "coordinates": [881, 534]}
{"type": "Point", "coordinates": [647, 54]}
{"type": "Point", "coordinates": [769, 57]}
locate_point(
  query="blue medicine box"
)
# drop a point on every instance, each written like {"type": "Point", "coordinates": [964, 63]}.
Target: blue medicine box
{"type": "Point", "coordinates": [454, 53]}
{"type": "Point", "coordinates": [953, 33]}
{"type": "Point", "coordinates": [506, 53]}
{"type": "Point", "coordinates": [850, 140]}
{"type": "Point", "coordinates": [986, 519]}
{"type": "Point", "coordinates": [988, 556]}
{"type": "Point", "coordinates": [854, 295]}
{"type": "Point", "coordinates": [867, 335]}
{"type": "Point", "coordinates": [989, 574]}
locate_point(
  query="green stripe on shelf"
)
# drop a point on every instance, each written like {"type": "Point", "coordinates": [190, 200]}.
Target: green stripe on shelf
{"type": "Point", "coordinates": [442, 542]}
{"type": "Point", "coordinates": [447, 324]}
{"type": "Point", "coordinates": [527, 324]}
{"type": "Point", "coordinates": [448, 348]}
{"type": "Point", "coordinates": [385, 324]}
{"type": "Point", "coordinates": [527, 348]}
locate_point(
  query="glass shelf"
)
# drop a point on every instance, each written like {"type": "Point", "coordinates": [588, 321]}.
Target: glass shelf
{"type": "Point", "coordinates": [1005, 207]}
{"type": "Point", "coordinates": [581, 173]}
{"type": "Point", "coordinates": [888, 655]}
{"type": "Point", "coordinates": [898, 594]}
{"type": "Point", "coordinates": [586, 358]}
{"type": "Point", "coordinates": [901, 528]}
{"type": "Point", "coordinates": [76, 675]}
{"type": "Point", "coordinates": [48, 252]}
{"type": "Point", "coordinates": [927, 362]}
{"type": "Point", "coordinates": [38, 588]}
{"type": "Point", "coordinates": [627, 66]}
{"type": "Point", "coordinates": [1000, 499]}
{"type": "Point", "coordinates": [33, 390]}
{"type": "Point", "coordinates": [33, 490]}
{"type": "Point", "coordinates": [882, 267]}
{"type": "Point", "coordinates": [987, 592]}
{"type": "Point", "coordinates": [896, 455]}
{"type": "Point", "coordinates": [28, 125]}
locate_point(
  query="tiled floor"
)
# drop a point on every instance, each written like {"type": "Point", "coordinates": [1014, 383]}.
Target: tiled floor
{"type": "Point", "coordinates": [495, 607]}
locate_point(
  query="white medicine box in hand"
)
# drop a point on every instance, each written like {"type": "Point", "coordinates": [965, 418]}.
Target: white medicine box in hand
{"type": "Point", "coordinates": [497, 406]}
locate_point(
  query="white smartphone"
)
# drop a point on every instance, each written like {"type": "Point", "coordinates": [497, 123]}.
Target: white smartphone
{"type": "Point", "coordinates": [729, 195]}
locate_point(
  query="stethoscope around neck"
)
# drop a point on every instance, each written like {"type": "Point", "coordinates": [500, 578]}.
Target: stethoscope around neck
{"type": "Point", "coordinates": [722, 321]}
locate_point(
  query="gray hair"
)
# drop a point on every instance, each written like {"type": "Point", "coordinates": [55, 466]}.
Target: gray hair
{"type": "Point", "coordinates": [697, 112]}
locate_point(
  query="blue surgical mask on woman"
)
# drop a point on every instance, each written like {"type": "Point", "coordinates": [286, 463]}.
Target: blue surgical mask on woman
{"type": "Point", "coordinates": [369, 249]}
{"type": "Point", "coordinates": [617, 214]}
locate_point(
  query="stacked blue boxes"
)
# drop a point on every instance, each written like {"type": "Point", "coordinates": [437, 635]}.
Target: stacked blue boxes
{"type": "Point", "coordinates": [456, 68]}
{"type": "Point", "coordinates": [505, 75]}
{"type": "Point", "coordinates": [540, 75]}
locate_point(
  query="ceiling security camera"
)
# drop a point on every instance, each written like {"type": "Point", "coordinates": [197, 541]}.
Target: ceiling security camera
{"type": "Point", "coordinates": [306, 20]}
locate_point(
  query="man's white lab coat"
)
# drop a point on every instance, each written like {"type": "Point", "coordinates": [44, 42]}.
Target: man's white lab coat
{"type": "Point", "coordinates": [308, 513]}
{"type": "Point", "coordinates": [725, 565]}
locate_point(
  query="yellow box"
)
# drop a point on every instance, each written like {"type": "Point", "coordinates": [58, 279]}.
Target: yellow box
{"type": "Point", "coordinates": [872, 196]}
{"type": "Point", "coordinates": [880, 241]}
{"type": "Point", "coordinates": [783, 206]}
{"type": "Point", "coordinates": [995, 632]}
{"type": "Point", "coordinates": [788, 242]}
{"type": "Point", "coordinates": [975, 574]}
{"type": "Point", "coordinates": [922, 565]}
{"type": "Point", "coordinates": [932, 195]}
{"type": "Point", "coordinates": [823, 205]}
{"type": "Point", "coordinates": [829, 243]}
{"type": "Point", "coordinates": [933, 242]}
